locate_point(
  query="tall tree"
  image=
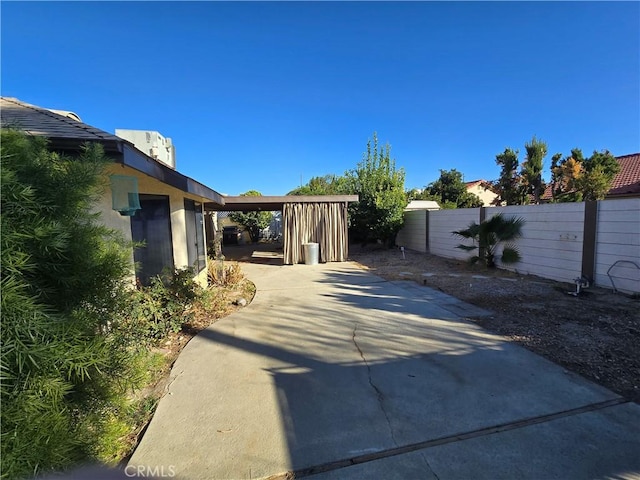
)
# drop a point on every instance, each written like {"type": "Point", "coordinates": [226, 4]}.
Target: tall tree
{"type": "Point", "coordinates": [253, 221]}
{"type": "Point", "coordinates": [566, 177]}
{"type": "Point", "coordinates": [379, 213]}
{"type": "Point", "coordinates": [509, 186]}
{"type": "Point", "coordinates": [575, 178]}
{"type": "Point", "coordinates": [326, 185]}
{"type": "Point", "coordinates": [532, 168]}
{"type": "Point", "coordinates": [599, 171]}
{"type": "Point", "coordinates": [451, 192]}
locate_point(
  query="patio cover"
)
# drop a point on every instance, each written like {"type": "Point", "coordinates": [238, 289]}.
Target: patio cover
{"type": "Point", "coordinates": [319, 219]}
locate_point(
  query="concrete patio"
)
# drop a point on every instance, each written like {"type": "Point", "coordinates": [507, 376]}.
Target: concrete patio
{"type": "Point", "coordinates": [334, 373]}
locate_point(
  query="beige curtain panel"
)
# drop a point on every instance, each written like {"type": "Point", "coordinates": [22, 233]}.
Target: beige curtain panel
{"type": "Point", "coordinates": [321, 223]}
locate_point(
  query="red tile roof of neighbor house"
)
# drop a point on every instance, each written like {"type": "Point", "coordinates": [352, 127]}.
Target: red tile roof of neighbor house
{"type": "Point", "coordinates": [472, 184]}
{"type": "Point", "coordinates": [625, 183]}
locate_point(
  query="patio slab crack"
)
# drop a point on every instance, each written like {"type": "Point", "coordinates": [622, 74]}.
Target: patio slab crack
{"type": "Point", "coordinates": [379, 394]}
{"type": "Point", "coordinates": [429, 465]}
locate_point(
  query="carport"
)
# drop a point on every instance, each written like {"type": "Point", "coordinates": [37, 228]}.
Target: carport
{"type": "Point", "coordinates": [320, 219]}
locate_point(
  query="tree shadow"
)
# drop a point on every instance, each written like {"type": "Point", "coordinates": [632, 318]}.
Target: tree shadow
{"type": "Point", "coordinates": [383, 371]}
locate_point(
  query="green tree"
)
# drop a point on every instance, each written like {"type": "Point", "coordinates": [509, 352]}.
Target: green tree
{"type": "Point", "coordinates": [417, 194]}
{"type": "Point", "coordinates": [532, 168]}
{"type": "Point", "coordinates": [566, 177]}
{"type": "Point", "coordinates": [575, 178]}
{"type": "Point", "coordinates": [451, 192]}
{"type": "Point", "coordinates": [599, 171]}
{"type": "Point", "coordinates": [509, 186]}
{"type": "Point", "coordinates": [63, 275]}
{"type": "Point", "coordinates": [254, 222]}
{"type": "Point", "coordinates": [379, 213]}
{"type": "Point", "coordinates": [326, 185]}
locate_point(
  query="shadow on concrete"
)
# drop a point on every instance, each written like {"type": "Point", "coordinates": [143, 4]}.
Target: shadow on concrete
{"type": "Point", "coordinates": [388, 381]}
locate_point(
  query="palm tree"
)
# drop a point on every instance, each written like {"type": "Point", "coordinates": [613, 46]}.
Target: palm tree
{"type": "Point", "coordinates": [488, 235]}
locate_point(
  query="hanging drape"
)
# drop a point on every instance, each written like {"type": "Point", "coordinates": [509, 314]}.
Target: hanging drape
{"type": "Point", "coordinates": [321, 223]}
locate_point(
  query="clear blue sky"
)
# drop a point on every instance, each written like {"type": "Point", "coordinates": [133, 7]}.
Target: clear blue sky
{"type": "Point", "coordinates": [262, 95]}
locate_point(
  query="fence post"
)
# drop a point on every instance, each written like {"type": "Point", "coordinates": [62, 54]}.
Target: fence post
{"type": "Point", "coordinates": [482, 218]}
{"type": "Point", "coordinates": [589, 239]}
{"type": "Point", "coordinates": [426, 231]}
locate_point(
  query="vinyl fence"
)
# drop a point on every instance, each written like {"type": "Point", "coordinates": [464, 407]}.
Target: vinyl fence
{"type": "Point", "coordinates": [598, 240]}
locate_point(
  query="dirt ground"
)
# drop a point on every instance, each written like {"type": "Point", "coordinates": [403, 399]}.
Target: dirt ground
{"type": "Point", "coordinates": [596, 334]}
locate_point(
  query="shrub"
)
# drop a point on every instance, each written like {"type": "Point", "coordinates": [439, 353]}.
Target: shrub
{"type": "Point", "coordinates": [151, 313]}
{"type": "Point", "coordinates": [488, 235]}
{"type": "Point", "coordinates": [62, 275]}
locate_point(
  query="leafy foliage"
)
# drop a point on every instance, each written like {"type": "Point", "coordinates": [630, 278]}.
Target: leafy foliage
{"type": "Point", "coordinates": [380, 186]}
{"type": "Point", "coordinates": [74, 331]}
{"type": "Point", "coordinates": [566, 177]}
{"type": "Point", "coordinates": [451, 192]}
{"type": "Point", "coordinates": [510, 186]}
{"type": "Point", "coordinates": [153, 312]}
{"type": "Point", "coordinates": [326, 185]}
{"type": "Point", "coordinates": [575, 178]}
{"type": "Point", "coordinates": [62, 275]}
{"type": "Point", "coordinates": [253, 221]}
{"type": "Point", "coordinates": [489, 235]}
{"type": "Point", "coordinates": [532, 168]}
{"type": "Point", "coordinates": [599, 171]}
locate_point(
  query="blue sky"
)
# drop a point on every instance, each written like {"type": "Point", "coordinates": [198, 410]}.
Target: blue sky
{"type": "Point", "coordinates": [264, 95]}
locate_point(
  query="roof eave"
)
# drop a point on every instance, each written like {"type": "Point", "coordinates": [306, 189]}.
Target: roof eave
{"type": "Point", "coordinates": [134, 158]}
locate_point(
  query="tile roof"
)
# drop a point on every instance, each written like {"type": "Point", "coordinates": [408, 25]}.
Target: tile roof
{"type": "Point", "coordinates": [48, 123]}
{"type": "Point", "coordinates": [474, 183]}
{"type": "Point", "coordinates": [66, 131]}
{"type": "Point", "coordinates": [627, 180]}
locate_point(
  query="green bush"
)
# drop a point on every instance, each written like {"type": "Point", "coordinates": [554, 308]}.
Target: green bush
{"type": "Point", "coordinates": [62, 275]}
{"type": "Point", "coordinates": [151, 313]}
{"type": "Point", "coordinates": [74, 331]}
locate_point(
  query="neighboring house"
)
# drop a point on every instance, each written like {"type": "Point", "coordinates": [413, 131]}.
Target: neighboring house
{"type": "Point", "coordinates": [145, 199]}
{"type": "Point", "coordinates": [625, 184]}
{"type": "Point", "coordinates": [483, 190]}
{"type": "Point", "coordinates": [224, 221]}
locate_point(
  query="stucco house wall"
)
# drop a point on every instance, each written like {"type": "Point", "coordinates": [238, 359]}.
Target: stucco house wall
{"type": "Point", "coordinates": [149, 185]}
{"type": "Point", "coordinates": [171, 220]}
{"type": "Point", "coordinates": [480, 189]}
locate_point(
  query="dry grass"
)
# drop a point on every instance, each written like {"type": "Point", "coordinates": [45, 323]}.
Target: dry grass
{"type": "Point", "coordinates": [221, 274]}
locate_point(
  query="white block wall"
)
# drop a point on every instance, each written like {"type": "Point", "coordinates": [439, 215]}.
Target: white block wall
{"type": "Point", "coordinates": [618, 238]}
{"type": "Point", "coordinates": [442, 222]}
{"type": "Point", "coordinates": [551, 242]}
{"type": "Point", "coordinates": [413, 234]}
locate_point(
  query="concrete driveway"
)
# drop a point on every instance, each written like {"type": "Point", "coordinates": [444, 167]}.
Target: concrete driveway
{"type": "Point", "coordinates": [334, 373]}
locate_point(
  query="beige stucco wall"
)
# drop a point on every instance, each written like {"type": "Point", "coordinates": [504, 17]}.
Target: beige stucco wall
{"type": "Point", "coordinates": [486, 195]}
{"type": "Point", "coordinates": [149, 185]}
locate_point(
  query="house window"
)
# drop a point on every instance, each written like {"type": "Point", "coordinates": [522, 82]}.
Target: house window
{"type": "Point", "coordinates": [151, 225]}
{"type": "Point", "coordinates": [195, 235]}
